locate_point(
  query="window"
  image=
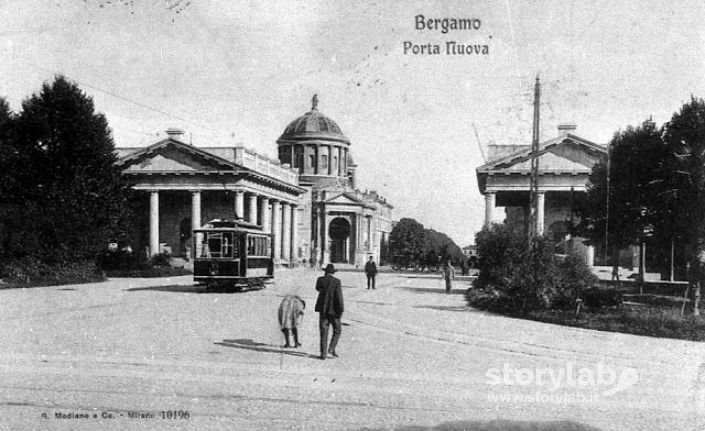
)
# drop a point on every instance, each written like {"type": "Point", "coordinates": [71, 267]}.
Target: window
{"type": "Point", "coordinates": [219, 244]}
{"type": "Point", "coordinates": [311, 161]}
{"type": "Point", "coordinates": [258, 246]}
{"type": "Point", "coordinates": [324, 161]}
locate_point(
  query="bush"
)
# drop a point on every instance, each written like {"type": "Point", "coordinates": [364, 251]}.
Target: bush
{"type": "Point", "coordinates": [116, 260]}
{"type": "Point", "coordinates": [160, 260]}
{"type": "Point", "coordinates": [598, 298]}
{"type": "Point", "coordinates": [30, 271]}
{"type": "Point", "coordinates": [529, 277]}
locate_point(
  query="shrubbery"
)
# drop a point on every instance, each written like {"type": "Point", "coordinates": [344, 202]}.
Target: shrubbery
{"type": "Point", "coordinates": [527, 277]}
{"type": "Point", "coordinates": [30, 271]}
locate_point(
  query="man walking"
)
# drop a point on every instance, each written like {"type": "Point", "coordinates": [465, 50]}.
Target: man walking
{"type": "Point", "coordinates": [329, 305]}
{"type": "Point", "coordinates": [371, 271]}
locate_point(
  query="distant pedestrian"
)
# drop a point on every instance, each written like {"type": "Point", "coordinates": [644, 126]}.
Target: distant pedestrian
{"type": "Point", "coordinates": [464, 267]}
{"type": "Point", "coordinates": [371, 271]}
{"type": "Point", "coordinates": [291, 313]}
{"type": "Point", "coordinates": [329, 305]}
{"type": "Point", "coordinates": [448, 273]}
{"type": "Point", "coordinates": [615, 272]}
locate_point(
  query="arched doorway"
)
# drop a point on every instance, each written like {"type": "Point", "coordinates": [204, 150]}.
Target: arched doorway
{"type": "Point", "coordinates": [339, 232]}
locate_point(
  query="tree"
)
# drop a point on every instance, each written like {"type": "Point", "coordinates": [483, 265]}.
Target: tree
{"type": "Point", "coordinates": [441, 245]}
{"type": "Point", "coordinates": [637, 160]}
{"type": "Point", "coordinates": [67, 198]}
{"type": "Point", "coordinates": [407, 238]}
{"type": "Point", "coordinates": [685, 191]}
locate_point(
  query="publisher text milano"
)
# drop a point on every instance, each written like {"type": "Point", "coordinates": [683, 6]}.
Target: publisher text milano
{"type": "Point", "coordinates": [451, 47]}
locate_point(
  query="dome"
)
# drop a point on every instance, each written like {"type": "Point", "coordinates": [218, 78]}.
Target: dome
{"type": "Point", "coordinates": [313, 125]}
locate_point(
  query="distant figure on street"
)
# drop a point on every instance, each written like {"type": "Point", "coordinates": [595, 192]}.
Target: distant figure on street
{"type": "Point", "coordinates": [329, 305]}
{"type": "Point", "coordinates": [371, 271]}
{"type": "Point", "coordinates": [291, 313]}
{"type": "Point", "coordinates": [448, 273]}
{"type": "Point", "coordinates": [615, 272]}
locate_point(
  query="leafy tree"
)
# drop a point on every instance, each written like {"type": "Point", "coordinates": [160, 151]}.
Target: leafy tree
{"type": "Point", "coordinates": [8, 167]}
{"type": "Point", "coordinates": [441, 245]}
{"type": "Point", "coordinates": [528, 277]}
{"type": "Point", "coordinates": [407, 238]}
{"type": "Point", "coordinates": [67, 197]}
{"type": "Point", "coordinates": [685, 184]}
{"type": "Point", "coordinates": [637, 159]}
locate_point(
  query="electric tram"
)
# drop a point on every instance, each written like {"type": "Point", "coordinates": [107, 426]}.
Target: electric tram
{"type": "Point", "coordinates": [233, 254]}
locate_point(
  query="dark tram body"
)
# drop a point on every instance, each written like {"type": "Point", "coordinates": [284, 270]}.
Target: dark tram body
{"type": "Point", "coordinates": [233, 254]}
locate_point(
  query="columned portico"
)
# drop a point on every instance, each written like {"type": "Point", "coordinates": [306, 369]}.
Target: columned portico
{"type": "Point", "coordinates": [565, 163]}
{"type": "Point", "coordinates": [153, 222]}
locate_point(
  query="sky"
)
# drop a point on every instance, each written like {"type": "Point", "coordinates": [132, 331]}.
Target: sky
{"type": "Point", "coordinates": [236, 73]}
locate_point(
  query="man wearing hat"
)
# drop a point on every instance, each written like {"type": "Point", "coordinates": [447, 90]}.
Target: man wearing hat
{"type": "Point", "coordinates": [329, 305]}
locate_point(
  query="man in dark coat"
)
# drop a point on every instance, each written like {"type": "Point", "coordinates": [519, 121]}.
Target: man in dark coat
{"type": "Point", "coordinates": [329, 305]}
{"type": "Point", "coordinates": [371, 271]}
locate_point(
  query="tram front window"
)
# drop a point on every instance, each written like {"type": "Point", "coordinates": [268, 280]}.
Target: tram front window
{"type": "Point", "coordinates": [219, 244]}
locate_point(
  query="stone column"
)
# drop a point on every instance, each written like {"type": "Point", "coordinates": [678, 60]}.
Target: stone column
{"type": "Point", "coordinates": [266, 216]}
{"type": "Point", "coordinates": [240, 205]}
{"type": "Point", "coordinates": [540, 214]}
{"type": "Point", "coordinates": [368, 233]}
{"type": "Point", "coordinates": [286, 233]}
{"type": "Point", "coordinates": [489, 208]}
{"type": "Point", "coordinates": [326, 245]}
{"type": "Point", "coordinates": [252, 217]}
{"type": "Point", "coordinates": [330, 160]}
{"type": "Point", "coordinates": [196, 222]}
{"type": "Point", "coordinates": [341, 172]}
{"type": "Point", "coordinates": [276, 231]}
{"type": "Point", "coordinates": [317, 159]}
{"type": "Point", "coordinates": [294, 235]}
{"type": "Point", "coordinates": [153, 222]}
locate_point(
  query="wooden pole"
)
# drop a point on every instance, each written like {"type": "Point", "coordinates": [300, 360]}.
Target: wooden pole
{"type": "Point", "coordinates": [533, 193]}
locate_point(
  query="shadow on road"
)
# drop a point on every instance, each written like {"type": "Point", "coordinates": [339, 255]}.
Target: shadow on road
{"type": "Point", "coordinates": [448, 307]}
{"type": "Point", "coordinates": [185, 289]}
{"type": "Point", "coordinates": [498, 425]}
{"type": "Point", "coordinates": [247, 344]}
{"type": "Point", "coordinates": [459, 291]}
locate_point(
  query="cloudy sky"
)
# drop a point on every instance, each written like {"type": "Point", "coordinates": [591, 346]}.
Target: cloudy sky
{"type": "Point", "coordinates": [238, 72]}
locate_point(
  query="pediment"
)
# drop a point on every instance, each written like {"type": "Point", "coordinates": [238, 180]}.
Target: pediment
{"type": "Point", "coordinates": [563, 154]}
{"type": "Point", "coordinates": [344, 199]}
{"type": "Point", "coordinates": [173, 156]}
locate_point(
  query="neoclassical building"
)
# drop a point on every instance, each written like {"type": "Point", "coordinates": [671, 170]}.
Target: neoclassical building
{"type": "Point", "coordinates": [307, 199]}
{"type": "Point", "coordinates": [180, 187]}
{"type": "Point", "coordinates": [565, 162]}
{"type": "Point", "coordinates": [344, 225]}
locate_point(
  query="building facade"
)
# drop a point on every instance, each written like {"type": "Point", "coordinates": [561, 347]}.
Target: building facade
{"type": "Point", "coordinates": [307, 199]}
{"type": "Point", "coordinates": [180, 187]}
{"type": "Point", "coordinates": [344, 225]}
{"type": "Point", "coordinates": [565, 163]}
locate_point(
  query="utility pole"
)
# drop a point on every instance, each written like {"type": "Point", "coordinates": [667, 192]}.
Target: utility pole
{"type": "Point", "coordinates": [533, 193]}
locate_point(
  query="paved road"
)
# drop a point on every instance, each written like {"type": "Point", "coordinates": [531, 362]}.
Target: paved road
{"type": "Point", "coordinates": [410, 356]}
